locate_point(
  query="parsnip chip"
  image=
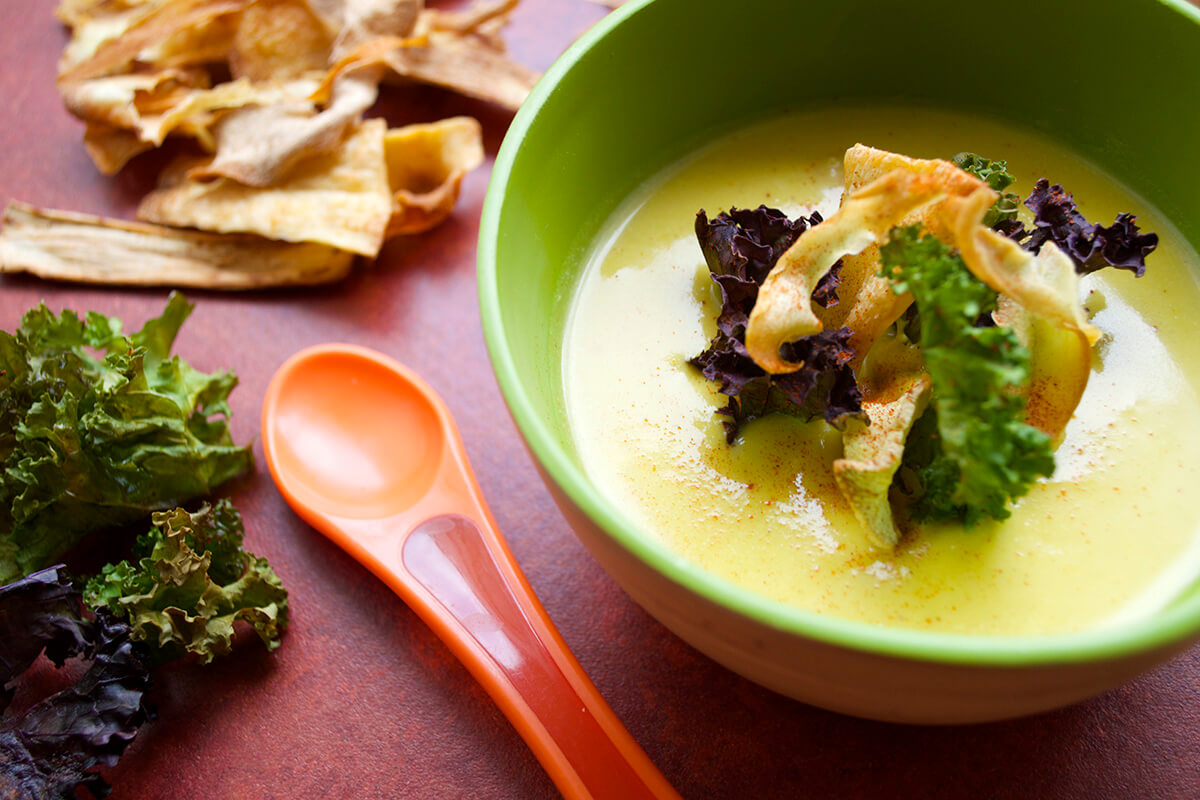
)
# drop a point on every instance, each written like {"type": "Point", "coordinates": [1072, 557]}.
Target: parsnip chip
{"type": "Point", "coordinates": [206, 42]}
{"type": "Point", "coordinates": [261, 144]}
{"type": "Point", "coordinates": [369, 54]}
{"type": "Point", "coordinates": [1045, 282]}
{"type": "Point", "coordinates": [149, 32]}
{"type": "Point", "coordinates": [200, 40]}
{"type": "Point", "coordinates": [363, 21]}
{"type": "Point", "coordinates": [341, 199]}
{"type": "Point", "coordinates": [96, 25]}
{"type": "Point", "coordinates": [468, 64]}
{"type": "Point", "coordinates": [330, 12]}
{"type": "Point", "coordinates": [111, 148]}
{"type": "Point", "coordinates": [864, 164]}
{"type": "Point", "coordinates": [783, 311]}
{"type": "Point", "coordinates": [1040, 301]}
{"type": "Point", "coordinates": [1060, 364]}
{"type": "Point", "coordinates": [111, 100]}
{"type": "Point", "coordinates": [77, 12]}
{"type": "Point", "coordinates": [279, 40]}
{"type": "Point", "coordinates": [867, 305]}
{"type": "Point", "coordinates": [80, 247]}
{"type": "Point", "coordinates": [458, 51]}
{"type": "Point", "coordinates": [198, 113]}
{"type": "Point", "coordinates": [873, 453]}
{"type": "Point", "coordinates": [426, 164]}
{"type": "Point", "coordinates": [479, 17]}
{"type": "Point", "coordinates": [154, 106]}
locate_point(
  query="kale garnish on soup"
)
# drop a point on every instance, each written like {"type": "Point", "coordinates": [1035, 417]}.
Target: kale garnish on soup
{"type": "Point", "coordinates": [930, 318]}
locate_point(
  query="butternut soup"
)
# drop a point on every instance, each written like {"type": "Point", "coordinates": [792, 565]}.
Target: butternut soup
{"type": "Point", "coordinates": [1112, 534]}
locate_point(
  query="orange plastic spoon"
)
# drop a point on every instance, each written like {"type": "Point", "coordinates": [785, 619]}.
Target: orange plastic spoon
{"type": "Point", "coordinates": [369, 455]}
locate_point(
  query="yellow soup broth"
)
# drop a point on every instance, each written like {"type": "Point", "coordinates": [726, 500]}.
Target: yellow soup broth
{"type": "Point", "coordinates": [1112, 534]}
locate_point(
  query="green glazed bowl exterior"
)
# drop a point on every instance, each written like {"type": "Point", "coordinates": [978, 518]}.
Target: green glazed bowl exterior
{"type": "Point", "coordinates": [1116, 81]}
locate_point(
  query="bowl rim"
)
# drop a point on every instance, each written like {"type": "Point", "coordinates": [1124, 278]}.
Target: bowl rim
{"type": "Point", "coordinates": [1172, 625]}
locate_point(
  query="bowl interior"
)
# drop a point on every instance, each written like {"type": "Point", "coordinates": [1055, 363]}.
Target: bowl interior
{"type": "Point", "coordinates": [657, 78]}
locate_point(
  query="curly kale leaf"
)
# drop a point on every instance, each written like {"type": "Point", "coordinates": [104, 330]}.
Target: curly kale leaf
{"type": "Point", "coordinates": [190, 583]}
{"type": "Point", "coordinates": [991, 455]}
{"type": "Point", "coordinates": [825, 388]}
{"type": "Point", "coordinates": [996, 175]}
{"type": "Point", "coordinates": [60, 742]}
{"type": "Point", "coordinates": [740, 247]}
{"type": "Point", "coordinates": [98, 429]}
{"type": "Point", "coordinates": [1091, 246]}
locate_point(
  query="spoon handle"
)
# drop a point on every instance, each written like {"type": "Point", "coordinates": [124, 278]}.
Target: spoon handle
{"type": "Point", "coordinates": [467, 587]}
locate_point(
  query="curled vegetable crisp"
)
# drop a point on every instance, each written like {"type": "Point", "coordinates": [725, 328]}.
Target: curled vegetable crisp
{"type": "Point", "coordinates": [783, 311]}
{"type": "Point", "coordinates": [964, 335]}
{"type": "Point", "coordinates": [874, 451]}
{"type": "Point", "coordinates": [340, 198]}
{"type": "Point", "coordinates": [882, 190]}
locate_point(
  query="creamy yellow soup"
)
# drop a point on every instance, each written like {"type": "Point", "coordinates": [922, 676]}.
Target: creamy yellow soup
{"type": "Point", "coordinates": [1113, 534]}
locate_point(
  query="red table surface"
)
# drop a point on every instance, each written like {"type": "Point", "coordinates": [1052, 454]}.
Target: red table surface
{"type": "Point", "coordinates": [361, 700]}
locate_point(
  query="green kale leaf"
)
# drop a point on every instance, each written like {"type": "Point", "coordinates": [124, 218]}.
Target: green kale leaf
{"type": "Point", "coordinates": [996, 175]}
{"type": "Point", "coordinates": [190, 582]}
{"type": "Point", "coordinates": [740, 247]}
{"type": "Point", "coordinates": [60, 742]}
{"type": "Point", "coordinates": [98, 429]}
{"type": "Point", "coordinates": [979, 445]}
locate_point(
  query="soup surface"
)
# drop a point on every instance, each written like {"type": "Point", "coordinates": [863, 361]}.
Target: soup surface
{"type": "Point", "coordinates": [1112, 534]}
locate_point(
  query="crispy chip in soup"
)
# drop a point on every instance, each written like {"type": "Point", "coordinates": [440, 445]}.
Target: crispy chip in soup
{"type": "Point", "coordinates": [868, 304]}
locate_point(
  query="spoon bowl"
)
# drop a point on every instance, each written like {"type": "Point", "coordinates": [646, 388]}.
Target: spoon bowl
{"type": "Point", "coordinates": [364, 451]}
{"type": "Point", "coordinates": [385, 448]}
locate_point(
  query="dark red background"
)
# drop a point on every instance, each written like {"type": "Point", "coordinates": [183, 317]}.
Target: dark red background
{"type": "Point", "coordinates": [362, 701]}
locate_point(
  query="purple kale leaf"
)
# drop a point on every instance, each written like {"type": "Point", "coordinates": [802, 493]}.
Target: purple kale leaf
{"type": "Point", "coordinates": [740, 247]}
{"type": "Point", "coordinates": [825, 295]}
{"type": "Point", "coordinates": [59, 743]}
{"type": "Point", "coordinates": [825, 386]}
{"type": "Point", "coordinates": [38, 612]}
{"type": "Point", "coordinates": [1090, 246]}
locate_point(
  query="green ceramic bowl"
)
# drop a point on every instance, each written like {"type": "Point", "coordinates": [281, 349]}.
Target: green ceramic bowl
{"type": "Point", "coordinates": [1116, 81]}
